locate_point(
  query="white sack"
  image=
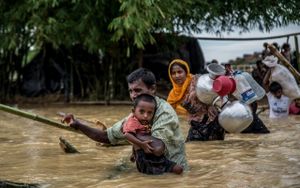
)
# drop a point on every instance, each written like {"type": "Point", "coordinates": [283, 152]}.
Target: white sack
{"type": "Point", "coordinates": [284, 77]}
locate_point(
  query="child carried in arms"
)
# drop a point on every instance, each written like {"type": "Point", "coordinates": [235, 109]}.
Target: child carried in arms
{"type": "Point", "coordinates": [146, 148]}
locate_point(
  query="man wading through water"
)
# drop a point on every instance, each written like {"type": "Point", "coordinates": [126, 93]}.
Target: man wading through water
{"type": "Point", "coordinates": [165, 121]}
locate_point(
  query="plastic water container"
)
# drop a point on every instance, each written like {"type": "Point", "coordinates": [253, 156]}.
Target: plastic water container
{"type": "Point", "coordinates": [259, 91]}
{"type": "Point", "coordinates": [244, 91]}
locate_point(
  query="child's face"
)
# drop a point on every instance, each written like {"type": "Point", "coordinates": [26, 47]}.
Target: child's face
{"type": "Point", "coordinates": [278, 94]}
{"type": "Point", "coordinates": [144, 112]}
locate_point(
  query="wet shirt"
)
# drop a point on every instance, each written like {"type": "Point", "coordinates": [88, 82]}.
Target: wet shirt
{"type": "Point", "coordinates": [279, 108]}
{"type": "Point", "coordinates": [165, 127]}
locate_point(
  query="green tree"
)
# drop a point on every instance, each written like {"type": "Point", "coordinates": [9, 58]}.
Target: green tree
{"type": "Point", "coordinates": [140, 19]}
{"type": "Point", "coordinates": [121, 29]}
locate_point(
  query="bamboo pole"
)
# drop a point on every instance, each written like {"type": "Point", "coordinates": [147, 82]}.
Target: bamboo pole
{"type": "Point", "coordinates": [35, 117]}
{"type": "Point", "coordinates": [297, 52]}
{"type": "Point", "coordinates": [285, 62]}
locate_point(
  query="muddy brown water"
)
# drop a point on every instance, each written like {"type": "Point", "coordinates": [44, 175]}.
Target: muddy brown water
{"type": "Point", "coordinates": [30, 153]}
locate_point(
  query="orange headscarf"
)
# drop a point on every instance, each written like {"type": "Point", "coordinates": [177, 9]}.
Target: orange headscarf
{"type": "Point", "coordinates": [177, 94]}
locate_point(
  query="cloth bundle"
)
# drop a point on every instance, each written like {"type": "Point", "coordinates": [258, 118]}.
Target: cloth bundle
{"type": "Point", "coordinates": [283, 76]}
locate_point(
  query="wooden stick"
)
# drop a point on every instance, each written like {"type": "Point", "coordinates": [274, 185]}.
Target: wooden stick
{"type": "Point", "coordinates": [36, 118]}
{"type": "Point", "coordinates": [284, 61]}
{"type": "Point", "coordinates": [66, 146]}
{"type": "Point", "coordinates": [17, 184]}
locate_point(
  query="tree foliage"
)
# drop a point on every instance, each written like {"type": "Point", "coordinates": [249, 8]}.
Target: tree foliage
{"type": "Point", "coordinates": [118, 28]}
{"type": "Point", "coordinates": [98, 23]}
{"type": "Point", "coordinates": [139, 19]}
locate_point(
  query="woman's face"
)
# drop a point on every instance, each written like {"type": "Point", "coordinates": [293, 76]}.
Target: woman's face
{"type": "Point", "coordinates": [178, 74]}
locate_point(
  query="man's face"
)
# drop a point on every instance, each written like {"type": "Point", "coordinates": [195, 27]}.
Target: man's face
{"type": "Point", "coordinates": [138, 87]}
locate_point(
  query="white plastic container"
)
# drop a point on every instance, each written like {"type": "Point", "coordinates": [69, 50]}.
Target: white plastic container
{"type": "Point", "coordinates": [244, 91]}
{"type": "Point", "coordinates": [259, 91]}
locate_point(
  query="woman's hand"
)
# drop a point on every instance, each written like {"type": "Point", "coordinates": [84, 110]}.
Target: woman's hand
{"type": "Point", "coordinates": [212, 112]}
{"type": "Point", "coordinates": [188, 107]}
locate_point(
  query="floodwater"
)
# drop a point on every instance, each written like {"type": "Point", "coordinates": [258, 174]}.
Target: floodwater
{"type": "Point", "coordinates": [30, 153]}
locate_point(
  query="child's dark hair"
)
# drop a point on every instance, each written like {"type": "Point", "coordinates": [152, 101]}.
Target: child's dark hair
{"type": "Point", "coordinates": [144, 97]}
{"type": "Point", "coordinates": [274, 87]}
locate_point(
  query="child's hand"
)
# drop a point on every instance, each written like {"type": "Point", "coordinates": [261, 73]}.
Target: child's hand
{"type": "Point", "coordinates": [146, 146]}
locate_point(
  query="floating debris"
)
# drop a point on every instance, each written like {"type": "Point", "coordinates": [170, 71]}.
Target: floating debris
{"type": "Point", "coordinates": [66, 146]}
{"type": "Point", "coordinates": [10, 184]}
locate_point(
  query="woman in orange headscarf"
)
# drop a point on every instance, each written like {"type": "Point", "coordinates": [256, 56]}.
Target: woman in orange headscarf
{"type": "Point", "coordinates": [180, 76]}
{"type": "Point", "coordinates": [202, 117]}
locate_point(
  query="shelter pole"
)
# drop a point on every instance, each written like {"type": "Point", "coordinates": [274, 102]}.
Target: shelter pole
{"type": "Point", "coordinates": [297, 52]}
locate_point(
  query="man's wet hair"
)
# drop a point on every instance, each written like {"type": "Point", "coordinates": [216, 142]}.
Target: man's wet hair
{"type": "Point", "coordinates": [274, 87]}
{"type": "Point", "coordinates": [144, 97]}
{"type": "Point", "coordinates": [144, 74]}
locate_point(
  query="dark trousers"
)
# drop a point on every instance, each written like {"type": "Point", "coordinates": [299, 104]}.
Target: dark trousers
{"type": "Point", "coordinates": [257, 126]}
{"type": "Point", "coordinates": [151, 164]}
{"type": "Point", "coordinates": [200, 131]}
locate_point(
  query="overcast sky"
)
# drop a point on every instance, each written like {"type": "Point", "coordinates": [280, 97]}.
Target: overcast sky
{"type": "Point", "coordinates": [224, 51]}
